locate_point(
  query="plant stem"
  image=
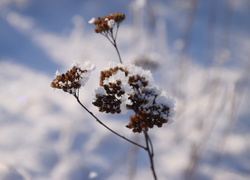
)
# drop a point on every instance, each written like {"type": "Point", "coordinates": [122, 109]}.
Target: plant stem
{"type": "Point", "coordinates": [99, 121]}
{"type": "Point", "coordinates": [112, 39]}
{"type": "Point", "coordinates": [117, 50]}
{"type": "Point", "coordinates": [150, 150]}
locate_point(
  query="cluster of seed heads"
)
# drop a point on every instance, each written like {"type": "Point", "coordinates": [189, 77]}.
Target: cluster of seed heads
{"type": "Point", "coordinates": [70, 81]}
{"type": "Point", "coordinates": [106, 23]}
{"type": "Point", "coordinates": [110, 102]}
{"type": "Point", "coordinates": [142, 98]}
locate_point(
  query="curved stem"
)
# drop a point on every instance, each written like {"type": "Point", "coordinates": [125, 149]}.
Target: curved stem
{"type": "Point", "coordinates": [149, 149]}
{"type": "Point", "coordinates": [107, 126]}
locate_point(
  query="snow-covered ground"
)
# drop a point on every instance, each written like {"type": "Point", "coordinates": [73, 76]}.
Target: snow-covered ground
{"type": "Point", "coordinates": [201, 58]}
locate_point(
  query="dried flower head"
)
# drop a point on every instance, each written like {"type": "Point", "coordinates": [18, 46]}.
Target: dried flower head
{"type": "Point", "coordinates": [109, 96]}
{"type": "Point", "coordinates": [151, 109]}
{"type": "Point", "coordinates": [73, 79]}
{"type": "Point", "coordinates": [107, 23]}
{"type": "Point", "coordinates": [128, 87]}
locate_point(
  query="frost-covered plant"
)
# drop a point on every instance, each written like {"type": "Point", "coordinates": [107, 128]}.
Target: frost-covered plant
{"type": "Point", "coordinates": [73, 79]}
{"type": "Point", "coordinates": [128, 87]}
{"type": "Point", "coordinates": [108, 26]}
{"type": "Point", "coordinates": [122, 87]}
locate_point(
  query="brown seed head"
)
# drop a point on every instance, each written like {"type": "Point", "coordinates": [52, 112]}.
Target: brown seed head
{"type": "Point", "coordinates": [142, 99]}
{"type": "Point", "coordinates": [69, 81]}
{"type": "Point", "coordinates": [102, 22]}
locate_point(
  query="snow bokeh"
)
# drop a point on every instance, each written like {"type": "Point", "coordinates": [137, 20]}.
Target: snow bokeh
{"type": "Point", "coordinates": [45, 134]}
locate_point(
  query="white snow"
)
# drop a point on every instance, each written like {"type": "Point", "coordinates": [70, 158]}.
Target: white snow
{"type": "Point", "coordinates": [92, 20]}
{"type": "Point", "coordinates": [111, 23]}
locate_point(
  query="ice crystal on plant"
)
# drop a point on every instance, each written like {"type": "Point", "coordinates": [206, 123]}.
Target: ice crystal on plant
{"type": "Point", "coordinates": [92, 20]}
{"type": "Point", "coordinates": [111, 23]}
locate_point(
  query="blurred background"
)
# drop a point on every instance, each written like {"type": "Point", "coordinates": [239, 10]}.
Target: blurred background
{"type": "Point", "coordinates": [197, 51]}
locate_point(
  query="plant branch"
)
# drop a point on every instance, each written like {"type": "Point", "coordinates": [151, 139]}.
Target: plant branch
{"type": "Point", "coordinates": [117, 50]}
{"type": "Point", "coordinates": [112, 40]}
{"type": "Point", "coordinates": [114, 43]}
{"type": "Point", "coordinates": [117, 27]}
{"type": "Point", "coordinates": [99, 121]}
{"type": "Point", "coordinates": [151, 145]}
{"type": "Point", "coordinates": [149, 149]}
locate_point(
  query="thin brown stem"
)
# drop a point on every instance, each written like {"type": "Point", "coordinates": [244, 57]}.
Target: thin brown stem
{"type": "Point", "coordinates": [151, 145]}
{"type": "Point", "coordinates": [99, 121]}
{"type": "Point", "coordinates": [117, 27]}
{"type": "Point", "coordinates": [115, 44]}
{"type": "Point", "coordinates": [117, 50]}
{"type": "Point", "coordinates": [149, 149]}
{"type": "Point", "coordinates": [112, 39]}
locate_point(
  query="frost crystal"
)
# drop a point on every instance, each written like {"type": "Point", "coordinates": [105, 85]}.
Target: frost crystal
{"type": "Point", "coordinates": [111, 23]}
{"type": "Point", "coordinates": [57, 73]}
{"type": "Point", "coordinates": [92, 20]}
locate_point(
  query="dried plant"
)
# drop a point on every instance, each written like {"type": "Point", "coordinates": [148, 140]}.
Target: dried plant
{"type": "Point", "coordinates": [123, 87]}
{"type": "Point", "coordinates": [128, 87]}
{"type": "Point", "coordinates": [108, 26]}
{"type": "Point", "coordinates": [73, 79]}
